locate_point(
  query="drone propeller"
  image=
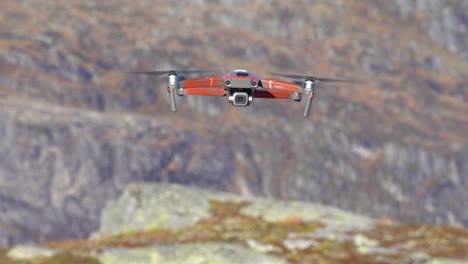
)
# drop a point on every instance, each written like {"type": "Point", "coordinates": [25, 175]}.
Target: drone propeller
{"type": "Point", "coordinates": [182, 72]}
{"type": "Point", "coordinates": [307, 77]}
{"type": "Point", "coordinates": [173, 82]}
{"type": "Point", "coordinates": [308, 86]}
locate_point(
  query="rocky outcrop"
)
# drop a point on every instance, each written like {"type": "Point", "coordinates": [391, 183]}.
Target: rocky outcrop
{"type": "Point", "coordinates": [144, 207]}
{"type": "Point", "coordinates": [161, 222]}
{"type": "Point", "coordinates": [169, 206]}
{"type": "Point", "coordinates": [175, 207]}
{"type": "Point", "coordinates": [206, 225]}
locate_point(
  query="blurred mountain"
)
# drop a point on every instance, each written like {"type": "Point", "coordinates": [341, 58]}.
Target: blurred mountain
{"type": "Point", "coordinates": [75, 129]}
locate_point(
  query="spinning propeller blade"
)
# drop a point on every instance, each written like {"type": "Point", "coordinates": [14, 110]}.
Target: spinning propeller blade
{"type": "Point", "coordinates": [173, 82]}
{"type": "Point", "coordinates": [307, 77]}
{"type": "Point", "coordinates": [182, 72]}
{"type": "Point", "coordinates": [308, 85]}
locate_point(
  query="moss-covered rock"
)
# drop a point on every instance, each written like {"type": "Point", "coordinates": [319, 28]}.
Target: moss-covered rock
{"type": "Point", "coordinates": [171, 206]}
{"type": "Point", "coordinates": [336, 220]}
{"type": "Point", "coordinates": [145, 206]}
{"type": "Point", "coordinates": [169, 222]}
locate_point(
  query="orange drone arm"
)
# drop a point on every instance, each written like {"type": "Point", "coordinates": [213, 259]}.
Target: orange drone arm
{"type": "Point", "coordinates": [274, 84]}
{"type": "Point", "coordinates": [274, 94]}
{"type": "Point", "coordinates": [212, 81]}
{"type": "Point", "coordinates": [206, 91]}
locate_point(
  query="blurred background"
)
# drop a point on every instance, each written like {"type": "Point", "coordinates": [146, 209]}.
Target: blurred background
{"type": "Point", "coordinates": [75, 129]}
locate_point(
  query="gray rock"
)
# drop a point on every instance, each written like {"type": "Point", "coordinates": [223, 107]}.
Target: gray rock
{"type": "Point", "coordinates": [336, 220]}
{"type": "Point", "coordinates": [299, 244]}
{"type": "Point", "coordinates": [146, 206]}
{"type": "Point", "coordinates": [188, 254]}
{"type": "Point", "coordinates": [365, 245]}
{"type": "Point", "coordinates": [27, 252]}
{"type": "Point", "coordinates": [261, 247]}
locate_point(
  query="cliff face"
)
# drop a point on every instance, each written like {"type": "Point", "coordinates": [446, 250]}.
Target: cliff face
{"type": "Point", "coordinates": [59, 166]}
{"type": "Point", "coordinates": [75, 129]}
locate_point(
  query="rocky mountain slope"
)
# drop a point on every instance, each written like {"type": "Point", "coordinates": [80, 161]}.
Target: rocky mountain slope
{"type": "Point", "coordinates": [75, 129]}
{"type": "Point", "coordinates": [74, 161]}
{"type": "Point", "coordinates": [169, 223]}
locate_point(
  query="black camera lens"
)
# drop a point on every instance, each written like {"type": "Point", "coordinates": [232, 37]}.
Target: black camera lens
{"type": "Point", "coordinates": [240, 99]}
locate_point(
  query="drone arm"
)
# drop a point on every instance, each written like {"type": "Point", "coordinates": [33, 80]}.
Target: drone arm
{"type": "Point", "coordinates": [274, 84]}
{"type": "Point", "coordinates": [205, 91]}
{"type": "Point", "coordinates": [273, 94]}
{"type": "Point", "coordinates": [212, 81]}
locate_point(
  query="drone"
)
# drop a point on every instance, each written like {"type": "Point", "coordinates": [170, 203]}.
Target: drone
{"type": "Point", "coordinates": [240, 86]}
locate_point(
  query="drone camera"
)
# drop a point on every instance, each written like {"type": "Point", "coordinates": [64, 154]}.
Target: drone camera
{"type": "Point", "coordinates": [241, 99]}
